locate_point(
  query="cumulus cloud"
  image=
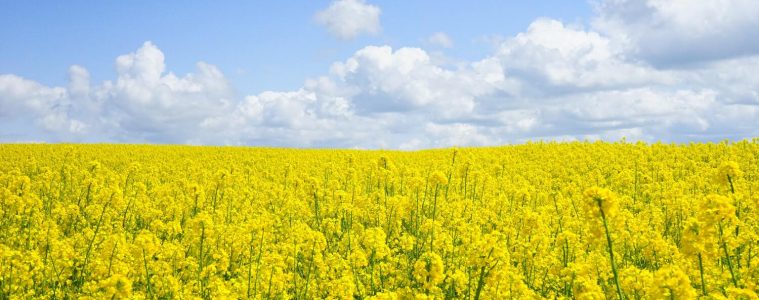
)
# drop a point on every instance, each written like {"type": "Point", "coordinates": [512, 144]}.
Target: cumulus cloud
{"type": "Point", "coordinates": [553, 81]}
{"type": "Point", "coordinates": [384, 80]}
{"type": "Point", "coordinates": [144, 104]}
{"type": "Point", "coordinates": [79, 82]}
{"type": "Point", "coordinates": [31, 111]}
{"type": "Point", "coordinates": [670, 33]}
{"type": "Point", "coordinates": [347, 19]}
{"type": "Point", "coordinates": [159, 104]}
{"type": "Point", "coordinates": [564, 59]}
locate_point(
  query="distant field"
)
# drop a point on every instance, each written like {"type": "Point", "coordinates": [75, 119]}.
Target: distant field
{"type": "Point", "coordinates": [540, 220]}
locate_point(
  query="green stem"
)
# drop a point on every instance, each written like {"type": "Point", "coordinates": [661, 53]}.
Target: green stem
{"type": "Point", "coordinates": [250, 263]}
{"type": "Point", "coordinates": [611, 250]}
{"type": "Point", "coordinates": [480, 283]}
{"type": "Point", "coordinates": [80, 280]}
{"type": "Point", "coordinates": [434, 212]}
{"type": "Point", "coordinates": [727, 257]}
{"type": "Point", "coordinates": [200, 259]}
{"type": "Point", "coordinates": [148, 290]}
{"type": "Point", "coordinates": [701, 269]}
{"type": "Point", "coordinates": [258, 265]}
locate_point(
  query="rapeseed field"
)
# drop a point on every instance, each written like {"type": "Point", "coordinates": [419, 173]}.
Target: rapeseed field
{"type": "Point", "coordinates": [584, 220]}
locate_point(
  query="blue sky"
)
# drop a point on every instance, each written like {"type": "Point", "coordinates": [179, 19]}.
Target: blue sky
{"type": "Point", "coordinates": [377, 74]}
{"type": "Point", "coordinates": [259, 45]}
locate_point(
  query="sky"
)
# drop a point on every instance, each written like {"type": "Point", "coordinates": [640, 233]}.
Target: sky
{"type": "Point", "coordinates": [378, 74]}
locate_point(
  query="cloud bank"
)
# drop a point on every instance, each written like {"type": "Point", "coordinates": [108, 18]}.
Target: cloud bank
{"type": "Point", "coordinates": [619, 77]}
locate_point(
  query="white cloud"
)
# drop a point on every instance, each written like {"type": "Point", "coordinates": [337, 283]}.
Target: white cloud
{"type": "Point", "coordinates": [645, 110]}
{"type": "Point", "coordinates": [564, 59]}
{"type": "Point", "coordinates": [147, 100]}
{"type": "Point", "coordinates": [440, 39]}
{"type": "Point", "coordinates": [735, 78]}
{"type": "Point", "coordinates": [407, 80]}
{"type": "Point", "coordinates": [347, 19]}
{"type": "Point", "coordinates": [30, 110]}
{"type": "Point", "coordinates": [674, 32]}
{"type": "Point", "coordinates": [79, 82]}
{"type": "Point", "coordinates": [143, 104]}
{"type": "Point", "coordinates": [457, 134]}
{"type": "Point", "coordinates": [552, 81]}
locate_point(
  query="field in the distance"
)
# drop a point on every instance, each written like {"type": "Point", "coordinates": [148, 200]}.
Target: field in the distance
{"type": "Point", "coordinates": [552, 220]}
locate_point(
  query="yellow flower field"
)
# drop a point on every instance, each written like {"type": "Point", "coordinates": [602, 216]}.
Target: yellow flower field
{"type": "Point", "coordinates": [539, 220]}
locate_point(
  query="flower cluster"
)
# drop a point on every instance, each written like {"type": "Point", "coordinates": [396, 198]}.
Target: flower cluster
{"type": "Point", "coordinates": [540, 220]}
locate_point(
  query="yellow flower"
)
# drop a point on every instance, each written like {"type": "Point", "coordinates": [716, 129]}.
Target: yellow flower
{"type": "Point", "coordinates": [358, 258]}
{"type": "Point", "coordinates": [459, 280]}
{"type": "Point", "coordinates": [407, 242]}
{"type": "Point", "coordinates": [672, 283]}
{"type": "Point", "coordinates": [737, 293]}
{"type": "Point", "coordinates": [116, 287]}
{"type": "Point", "coordinates": [438, 178]}
{"type": "Point", "coordinates": [601, 201]}
{"type": "Point", "coordinates": [384, 163]}
{"type": "Point", "coordinates": [428, 270]}
{"type": "Point", "coordinates": [636, 282]}
{"type": "Point", "coordinates": [728, 171]}
{"type": "Point", "coordinates": [384, 296]}
{"type": "Point", "coordinates": [587, 289]}
{"type": "Point", "coordinates": [415, 183]}
{"type": "Point", "coordinates": [374, 241]}
{"type": "Point", "coordinates": [714, 209]}
{"type": "Point", "coordinates": [175, 222]}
